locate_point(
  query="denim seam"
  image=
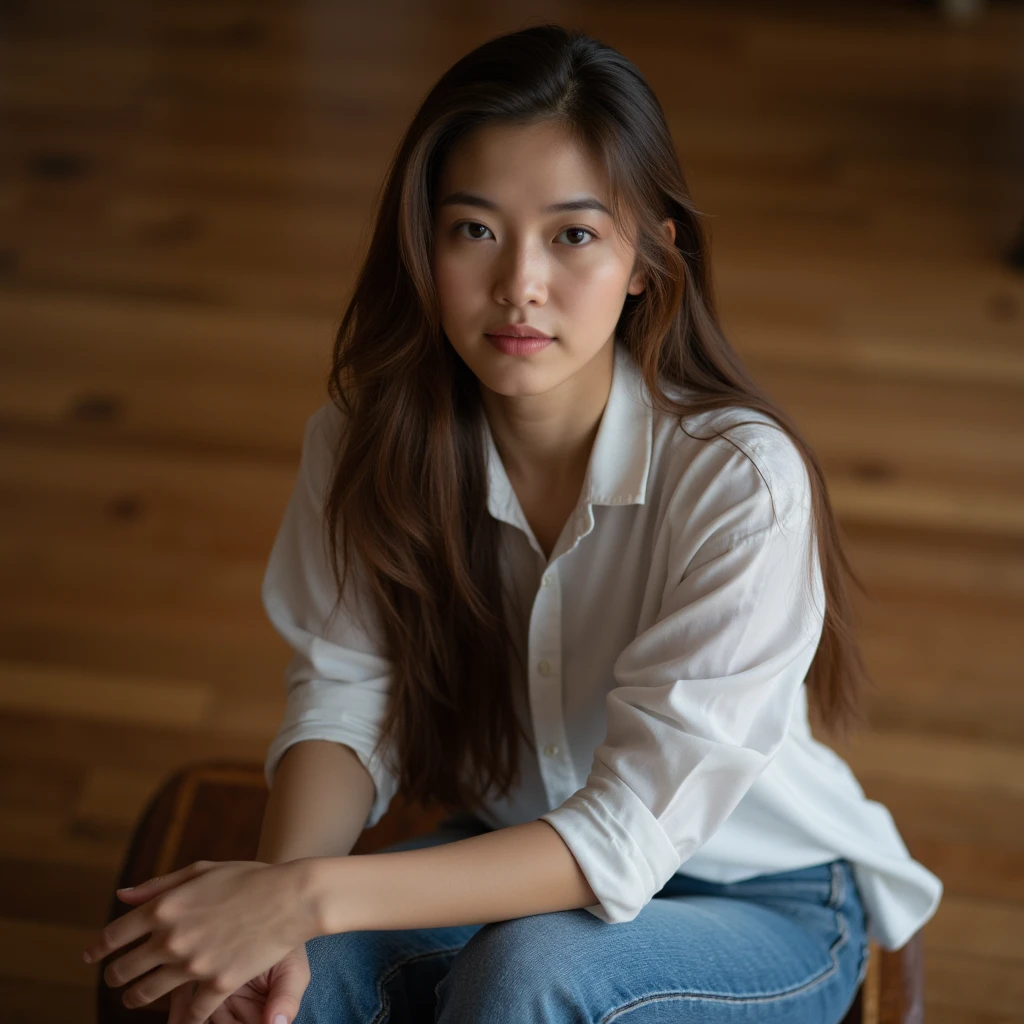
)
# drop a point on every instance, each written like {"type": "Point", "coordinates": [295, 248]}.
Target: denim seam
{"type": "Point", "coordinates": [844, 934]}
{"type": "Point", "coordinates": [862, 969]}
{"type": "Point", "coordinates": [384, 1013]}
{"type": "Point", "coordinates": [838, 892]}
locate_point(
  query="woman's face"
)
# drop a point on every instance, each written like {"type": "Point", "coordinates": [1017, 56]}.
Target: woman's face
{"type": "Point", "coordinates": [500, 257]}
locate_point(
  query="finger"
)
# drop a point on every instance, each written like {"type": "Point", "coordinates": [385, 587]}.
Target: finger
{"type": "Point", "coordinates": [120, 932]}
{"type": "Point", "coordinates": [131, 926]}
{"type": "Point", "coordinates": [155, 985]}
{"type": "Point", "coordinates": [286, 989]}
{"type": "Point", "coordinates": [161, 883]}
{"type": "Point", "coordinates": [248, 1013]}
{"type": "Point", "coordinates": [236, 1013]}
{"type": "Point", "coordinates": [224, 1015]}
{"type": "Point", "coordinates": [134, 964]}
{"type": "Point", "coordinates": [204, 1003]}
{"type": "Point", "coordinates": [180, 998]}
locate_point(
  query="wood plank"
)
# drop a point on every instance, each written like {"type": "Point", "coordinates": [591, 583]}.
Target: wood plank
{"type": "Point", "coordinates": [973, 983]}
{"type": "Point", "coordinates": [956, 763]}
{"type": "Point", "coordinates": [959, 1015]}
{"type": "Point", "coordinates": [131, 701]}
{"type": "Point", "coordinates": [36, 951]}
{"type": "Point", "coordinates": [932, 812]}
{"type": "Point", "coordinates": [115, 796]}
{"type": "Point", "coordinates": [71, 893]}
{"type": "Point", "coordinates": [973, 868]}
{"type": "Point", "coordinates": [143, 748]}
{"type": "Point", "coordinates": [964, 925]}
{"type": "Point", "coordinates": [176, 244]}
{"type": "Point", "coordinates": [32, 1002]}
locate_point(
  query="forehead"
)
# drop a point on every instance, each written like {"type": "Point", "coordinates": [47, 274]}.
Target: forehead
{"type": "Point", "coordinates": [524, 166]}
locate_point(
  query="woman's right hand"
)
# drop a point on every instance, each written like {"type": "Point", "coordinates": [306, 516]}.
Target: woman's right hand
{"type": "Point", "coordinates": [277, 990]}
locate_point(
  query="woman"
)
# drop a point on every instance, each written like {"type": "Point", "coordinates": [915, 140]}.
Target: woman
{"type": "Point", "coordinates": [555, 561]}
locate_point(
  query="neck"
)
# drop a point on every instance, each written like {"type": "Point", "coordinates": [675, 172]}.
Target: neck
{"type": "Point", "coordinates": [549, 437]}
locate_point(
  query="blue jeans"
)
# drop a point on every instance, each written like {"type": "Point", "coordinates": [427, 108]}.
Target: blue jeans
{"type": "Point", "coordinates": [788, 947]}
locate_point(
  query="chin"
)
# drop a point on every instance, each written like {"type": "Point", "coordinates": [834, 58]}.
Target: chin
{"type": "Point", "coordinates": [506, 375]}
{"type": "Point", "coordinates": [517, 382]}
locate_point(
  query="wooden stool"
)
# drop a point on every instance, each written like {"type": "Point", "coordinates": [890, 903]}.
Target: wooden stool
{"type": "Point", "coordinates": [214, 811]}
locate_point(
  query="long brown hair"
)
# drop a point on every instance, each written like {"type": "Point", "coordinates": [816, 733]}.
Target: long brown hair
{"type": "Point", "coordinates": [409, 486]}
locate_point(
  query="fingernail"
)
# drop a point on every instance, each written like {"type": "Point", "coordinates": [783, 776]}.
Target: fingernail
{"type": "Point", "coordinates": [280, 1018]}
{"type": "Point", "coordinates": [127, 888]}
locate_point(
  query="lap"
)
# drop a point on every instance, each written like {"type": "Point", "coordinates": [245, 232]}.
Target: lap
{"type": "Point", "coordinates": [785, 947]}
{"type": "Point", "coordinates": [782, 949]}
{"type": "Point", "coordinates": [391, 975]}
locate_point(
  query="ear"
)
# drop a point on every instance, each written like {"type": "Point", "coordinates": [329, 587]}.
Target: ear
{"type": "Point", "coordinates": [637, 282]}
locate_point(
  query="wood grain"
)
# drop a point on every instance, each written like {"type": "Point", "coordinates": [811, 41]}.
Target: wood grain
{"type": "Point", "coordinates": [185, 195]}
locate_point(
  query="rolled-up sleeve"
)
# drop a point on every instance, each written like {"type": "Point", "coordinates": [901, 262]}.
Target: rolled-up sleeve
{"type": "Point", "coordinates": [704, 695]}
{"type": "Point", "coordinates": [337, 681]}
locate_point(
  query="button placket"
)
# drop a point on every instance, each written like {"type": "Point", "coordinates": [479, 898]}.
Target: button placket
{"type": "Point", "coordinates": [545, 660]}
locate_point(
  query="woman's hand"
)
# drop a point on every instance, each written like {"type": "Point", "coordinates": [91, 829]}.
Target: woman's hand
{"type": "Point", "coordinates": [220, 924]}
{"type": "Point", "coordinates": [260, 1001]}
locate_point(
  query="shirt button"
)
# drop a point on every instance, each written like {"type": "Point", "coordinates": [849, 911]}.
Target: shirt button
{"type": "Point", "coordinates": [546, 580]}
{"type": "Point", "coordinates": [551, 750]}
{"type": "Point", "coordinates": [544, 667]}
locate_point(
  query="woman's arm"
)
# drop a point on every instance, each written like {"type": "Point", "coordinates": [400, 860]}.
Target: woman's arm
{"type": "Point", "coordinates": [508, 873]}
{"type": "Point", "coordinates": [318, 805]}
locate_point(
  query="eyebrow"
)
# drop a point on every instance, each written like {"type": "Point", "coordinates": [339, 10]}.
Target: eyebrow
{"type": "Point", "coordinates": [569, 205]}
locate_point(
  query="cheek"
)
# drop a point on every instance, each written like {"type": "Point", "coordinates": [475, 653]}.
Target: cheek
{"type": "Point", "coordinates": [599, 287]}
{"type": "Point", "coordinates": [453, 280]}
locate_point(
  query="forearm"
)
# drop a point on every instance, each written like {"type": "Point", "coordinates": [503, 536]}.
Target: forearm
{"type": "Point", "coordinates": [318, 805]}
{"type": "Point", "coordinates": [508, 873]}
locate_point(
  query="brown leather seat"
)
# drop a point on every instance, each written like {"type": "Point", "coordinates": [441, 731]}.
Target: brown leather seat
{"type": "Point", "coordinates": [214, 811]}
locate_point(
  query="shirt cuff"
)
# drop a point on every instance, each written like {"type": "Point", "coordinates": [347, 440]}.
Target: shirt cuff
{"type": "Point", "coordinates": [624, 853]}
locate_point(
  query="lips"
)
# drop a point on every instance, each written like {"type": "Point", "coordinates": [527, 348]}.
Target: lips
{"type": "Point", "coordinates": [518, 346]}
{"type": "Point", "coordinates": [518, 331]}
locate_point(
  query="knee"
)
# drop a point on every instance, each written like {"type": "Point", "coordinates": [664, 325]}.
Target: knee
{"type": "Point", "coordinates": [513, 970]}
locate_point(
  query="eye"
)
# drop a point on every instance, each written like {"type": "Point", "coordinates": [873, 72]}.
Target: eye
{"type": "Point", "coordinates": [471, 224]}
{"type": "Point", "coordinates": [585, 231]}
{"type": "Point", "coordinates": [477, 238]}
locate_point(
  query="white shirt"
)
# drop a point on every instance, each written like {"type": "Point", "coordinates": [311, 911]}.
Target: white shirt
{"type": "Point", "coordinates": [667, 640]}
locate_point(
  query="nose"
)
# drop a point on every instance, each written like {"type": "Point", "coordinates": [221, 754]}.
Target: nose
{"type": "Point", "coordinates": [520, 276]}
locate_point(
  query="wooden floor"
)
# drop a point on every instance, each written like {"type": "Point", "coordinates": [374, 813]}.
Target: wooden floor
{"type": "Point", "coordinates": [185, 189]}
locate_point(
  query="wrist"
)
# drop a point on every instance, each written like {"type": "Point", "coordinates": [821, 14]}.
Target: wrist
{"type": "Point", "coordinates": [310, 886]}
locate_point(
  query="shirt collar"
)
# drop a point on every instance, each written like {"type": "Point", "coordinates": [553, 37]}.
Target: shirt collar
{"type": "Point", "coordinates": [620, 459]}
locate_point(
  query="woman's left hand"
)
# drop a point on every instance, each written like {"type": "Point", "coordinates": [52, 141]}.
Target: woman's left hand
{"type": "Point", "coordinates": [218, 923]}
